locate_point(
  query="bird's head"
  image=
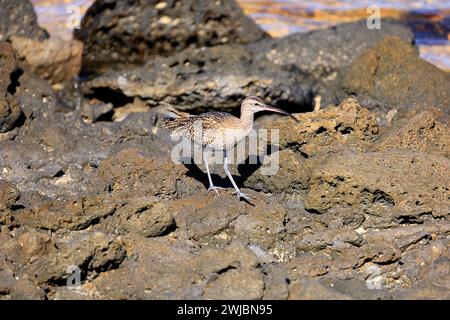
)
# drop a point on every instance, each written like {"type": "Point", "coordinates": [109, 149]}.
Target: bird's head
{"type": "Point", "coordinates": [255, 104]}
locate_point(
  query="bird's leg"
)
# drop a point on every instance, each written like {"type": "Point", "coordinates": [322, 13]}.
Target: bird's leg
{"type": "Point", "coordinates": [211, 185]}
{"type": "Point", "coordinates": [225, 167]}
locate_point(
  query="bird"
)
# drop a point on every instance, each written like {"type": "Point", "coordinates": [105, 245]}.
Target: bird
{"type": "Point", "coordinates": [217, 131]}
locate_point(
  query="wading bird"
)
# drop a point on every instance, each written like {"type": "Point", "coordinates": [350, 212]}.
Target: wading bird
{"type": "Point", "coordinates": [218, 131]}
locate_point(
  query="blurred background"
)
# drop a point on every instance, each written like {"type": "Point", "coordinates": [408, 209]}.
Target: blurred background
{"type": "Point", "coordinates": [430, 19]}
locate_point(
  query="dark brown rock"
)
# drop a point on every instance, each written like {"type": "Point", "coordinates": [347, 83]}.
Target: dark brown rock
{"type": "Point", "coordinates": [231, 273]}
{"type": "Point", "coordinates": [262, 225]}
{"type": "Point", "coordinates": [323, 53]}
{"type": "Point", "coordinates": [9, 194]}
{"type": "Point", "coordinates": [146, 216]}
{"type": "Point", "coordinates": [18, 18]}
{"type": "Point", "coordinates": [8, 63]}
{"type": "Point", "coordinates": [154, 28]}
{"type": "Point", "coordinates": [307, 144]}
{"type": "Point", "coordinates": [206, 215]}
{"type": "Point", "coordinates": [422, 132]}
{"type": "Point", "coordinates": [155, 268]}
{"type": "Point", "coordinates": [91, 253]}
{"type": "Point", "coordinates": [288, 72]}
{"type": "Point", "coordinates": [15, 288]}
{"type": "Point", "coordinates": [389, 184]}
{"type": "Point", "coordinates": [407, 236]}
{"type": "Point", "coordinates": [391, 75]}
{"type": "Point", "coordinates": [380, 253]}
{"type": "Point", "coordinates": [9, 107]}
{"type": "Point", "coordinates": [292, 173]}
{"type": "Point", "coordinates": [233, 284]}
{"type": "Point", "coordinates": [166, 268]}
{"type": "Point", "coordinates": [275, 282]}
{"type": "Point", "coordinates": [55, 60]}
{"type": "Point", "coordinates": [63, 215]}
{"type": "Point", "coordinates": [129, 173]}
{"type": "Point", "coordinates": [315, 290]}
{"type": "Point", "coordinates": [9, 113]}
{"type": "Point", "coordinates": [205, 78]}
{"type": "Point", "coordinates": [94, 111]}
{"type": "Point", "coordinates": [324, 130]}
{"type": "Point", "coordinates": [308, 265]}
{"type": "Point", "coordinates": [340, 238]}
{"type": "Point", "coordinates": [34, 244]}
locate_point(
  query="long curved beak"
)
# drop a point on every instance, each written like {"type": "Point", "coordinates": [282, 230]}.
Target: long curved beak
{"type": "Point", "coordinates": [273, 109]}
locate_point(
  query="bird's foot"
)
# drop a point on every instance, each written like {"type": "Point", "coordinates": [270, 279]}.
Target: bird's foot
{"type": "Point", "coordinates": [214, 188]}
{"type": "Point", "coordinates": [242, 195]}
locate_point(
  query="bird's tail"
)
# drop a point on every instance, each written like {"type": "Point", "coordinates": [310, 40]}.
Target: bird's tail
{"type": "Point", "coordinates": [174, 113]}
{"type": "Point", "coordinates": [171, 118]}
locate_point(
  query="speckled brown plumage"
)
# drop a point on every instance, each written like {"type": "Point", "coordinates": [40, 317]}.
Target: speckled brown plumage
{"type": "Point", "coordinates": [212, 130]}
{"type": "Point", "coordinates": [217, 131]}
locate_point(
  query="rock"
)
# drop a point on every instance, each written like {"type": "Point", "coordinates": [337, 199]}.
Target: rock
{"type": "Point", "coordinates": [18, 18]}
{"type": "Point", "coordinates": [35, 96]}
{"type": "Point", "coordinates": [164, 268]}
{"type": "Point", "coordinates": [204, 216]}
{"type": "Point", "coordinates": [322, 55]}
{"type": "Point", "coordinates": [93, 111]}
{"type": "Point", "coordinates": [407, 113]}
{"type": "Point", "coordinates": [357, 289]}
{"type": "Point", "coordinates": [420, 266]}
{"type": "Point", "coordinates": [8, 64]}
{"type": "Point", "coordinates": [325, 130]}
{"type": "Point", "coordinates": [308, 143]}
{"type": "Point", "coordinates": [421, 294]}
{"type": "Point", "coordinates": [275, 282]}
{"type": "Point", "coordinates": [72, 214]}
{"type": "Point", "coordinates": [330, 237]}
{"type": "Point", "coordinates": [91, 253]}
{"type": "Point", "coordinates": [261, 226]}
{"type": "Point", "coordinates": [153, 28]}
{"type": "Point", "coordinates": [353, 209]}
{"type": "Point", "coordinates": [54, 60]}
{"type": "Point", "coordinates": [236, 285]}
{"type": "Point", "coordinates": [380, 253]}
{"type": "Point", "coordinates": [422, 132]}
{"type": "Point", "coordinates": [128, 173]}
{"type": "Point", "coordinates": [137, 106]}
{"type": "Point", "coordinates": [206, 78]}
{"type": "Point", "coordinates": [406, 236]}
{"type": "Point", "coordinates": [16, 288]}
{"type": "Point", "coordinates": [388, 184]}
{"type": "Point", "coordinates": [291, 174]}
{"type": "Point", "coordinates": [146, 216]}
{"type": "Point", "coordinates": [9, 194]}
{"type": "Point", "coordinates": [10, 111]}
{"type": "Point", "coordinates": [34, 243]}
{"type": "Point", "coordinates": [155, 268]}
{"type": "Point", "coordinates": [56, 139]}
{"type": "Point", "coordinates": [426, 263]}
{"type": "Point", "coordinates": [230, 273]}
{"type": "Point", "coordinates": [391, 75]}
{"type": "Point", "coordinates": [308, 265]}
{"type": "Point", "coordinates": [262, 68]}
{"type": "Point", "coordinates": [315, 290]}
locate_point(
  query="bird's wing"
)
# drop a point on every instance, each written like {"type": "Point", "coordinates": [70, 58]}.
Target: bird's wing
{"type": "Point", "coordinates": [175, 124]}
{"type": "Point", "coordinates": [215, 120]}
{"type": "Point", "coordinates": [203, 129]}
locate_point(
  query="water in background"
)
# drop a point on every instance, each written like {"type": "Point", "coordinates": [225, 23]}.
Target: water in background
{"type": "Point", "coordinates": [430, 19]}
